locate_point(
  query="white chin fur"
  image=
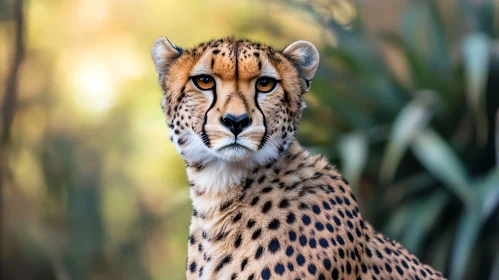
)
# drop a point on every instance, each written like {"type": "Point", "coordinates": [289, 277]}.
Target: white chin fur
{"type": "Point", "coordinates": [225, 168]}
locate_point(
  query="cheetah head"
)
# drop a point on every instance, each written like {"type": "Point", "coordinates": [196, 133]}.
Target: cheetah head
{"type": "Point", "coordinates": [231, 100]}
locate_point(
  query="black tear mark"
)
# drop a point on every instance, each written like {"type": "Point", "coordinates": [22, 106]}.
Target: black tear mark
{"type": "Point", "coordinates": [212, 63]}
{"type": "Point", "coordinates": [204, 136]}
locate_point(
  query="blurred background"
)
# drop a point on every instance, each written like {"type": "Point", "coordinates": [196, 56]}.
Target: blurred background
{"type": "Point", "coordinates": [405, 103]}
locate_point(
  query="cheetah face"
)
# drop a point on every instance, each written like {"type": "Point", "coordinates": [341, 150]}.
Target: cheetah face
{"type": "Point", "coordinates": [233, 100]}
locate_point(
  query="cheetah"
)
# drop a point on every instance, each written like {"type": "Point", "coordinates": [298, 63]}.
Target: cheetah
{"type": "Point", "coordinates": [263, 207]}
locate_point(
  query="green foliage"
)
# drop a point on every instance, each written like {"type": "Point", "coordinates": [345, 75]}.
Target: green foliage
{"type": "Point", "coordinates": [424, 143]}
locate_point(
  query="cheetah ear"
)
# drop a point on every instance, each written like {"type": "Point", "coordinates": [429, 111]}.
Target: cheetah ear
{"type": "Point", "coordinates": [163, 53]}
{"type": "Point", "coordinates": [305, 57]}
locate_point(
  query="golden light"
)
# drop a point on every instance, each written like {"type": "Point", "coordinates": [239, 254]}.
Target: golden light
{"type": "Point", "coordinates": [94, 86]}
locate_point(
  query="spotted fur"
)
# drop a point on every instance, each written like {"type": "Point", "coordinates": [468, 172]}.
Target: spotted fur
{"type": "Point", "coordinates": [263, 207]}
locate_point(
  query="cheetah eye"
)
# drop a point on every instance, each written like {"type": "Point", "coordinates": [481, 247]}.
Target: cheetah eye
{"type": "Point", "coordinates": [265, 84]}
{"type": "Point", "coordinates": [203, 82]}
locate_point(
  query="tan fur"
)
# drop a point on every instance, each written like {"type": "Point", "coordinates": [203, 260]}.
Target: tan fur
{"type": "Point", "coordinates": [267, 210]}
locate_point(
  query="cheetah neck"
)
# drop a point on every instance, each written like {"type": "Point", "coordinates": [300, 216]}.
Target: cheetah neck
{"type": "Point", "coordinates": [214, 184]}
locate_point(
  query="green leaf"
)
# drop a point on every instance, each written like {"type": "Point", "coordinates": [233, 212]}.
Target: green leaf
{"type": "Point", "coordinates": [409, 187]}
{"type": "Point", "coordinates": [488, 190]}
{"type": "Point", "coordinates": [441, 161]}
{"type": "Point", "coordinates": [411, 120]}
{"type": "Point", "coordinates": [476, 58]}
{"type": "Point", "coordinates": [495, 266]}
{"type": "Point", "coordinates": [422, 29]}
{"type": "Point", "coordinates": [353, 152]}
{"type": "Point", "coordinates": [424, 216]}
{"type": "Point", "coordinates": [468, 229]}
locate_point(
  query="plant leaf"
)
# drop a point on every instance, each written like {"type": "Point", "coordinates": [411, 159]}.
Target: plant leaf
{"type": "Point", "coordinates": [488, 191]}
{"type": "Point", "coordinates": [425, 214]}
{"type": "Point", "coordinates": [468, 228]}
{"type": "Point", "coordinates": [476, 58]}
{"type": "Point", "coordinates": [441, 161]}
{"type": "Point", "coordinates": [410, 121]}
{"type": "Point", "coordinates": [353, 152]}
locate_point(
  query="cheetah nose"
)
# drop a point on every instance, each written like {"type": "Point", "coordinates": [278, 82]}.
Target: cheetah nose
{"type": "Point", "coordinates": [236, 124]}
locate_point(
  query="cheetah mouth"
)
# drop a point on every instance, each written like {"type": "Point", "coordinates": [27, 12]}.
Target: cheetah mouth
{"type": "Point", "coordinates": [234, 146]}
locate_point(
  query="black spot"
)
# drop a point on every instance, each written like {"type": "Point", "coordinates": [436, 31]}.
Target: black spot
{"type": "Point", "coordinates": [300, 259]}
{"type": "Point", "coordinates": [364, 268]}
{"type": "Point", "coordinates": [369, 253]}
{"type": "Point", "coordinates": [259, 252]}
{"type": "Point", "coordinates": [335, 274]}
{"type": "Point", "coordinates": [329, 227]}
{"type": "Point", "coordinates": [266, 274]}
{"type": "Point", "coordinates": [256, 234]}
{"type": "Point", "coordinates": [326, 205]}
{"type": "Point", "coordinates": [337, 221]}
{"type": "Point", "coordinates": [216, 51]}
{"type": "Point", "coordinates": [225, 205]}
{"type": "Point", "coordinates": [224, 261]}
{"type": "Point", "coordinates": [255, 200]}
{"type": "Point", "coordinates": [292, 236]}
{"type": "Point", "coordinates": [349, 268]}
{"type": "Point", "coordinates": [192, 240]}
{"type": "Point", "coordinates": [339, 200]}
{"type": "Point", "coordinates": [312, 243]}
{"type": "Point", "coordinates": [279, 269]}
{"type": "Point", "coordinates": [274, 224]}
{"type": "Point", "coordinates": [303, 240]}
{"type": "Point", "coordinates": [284, 203]}
{"type": "Point", "coordinates": [266, 207]}
{"type": "Point", "coordinates": [312, 269]}
{"type": "Point", "coordinates": [237, 217]}
{"type": "Point", "coordinates": [327, 264]}
{"type": "Point", "coordinates": [388, 267]}
{"type": "Point", "coordinates": [378, 253]}
{"type": "Point", "coordinates": [306, 219]}
{"type": "Point", "coordinates": [323, 242]}
{"type": "Point", "coordinates": [290, 266]}
{"type": "Point", "coordinates": [244, 263]}
{"type": "Point", "coordinates": [238, 241]}
{"type": "Point", "coordinates": [274, 246]}
{"type": "Point", "coordinates": [251, 277]}
{"type": "Point", "coordinates": [290, 218]}
{"type": "Point", "coordinates": [192, 267]}
{"type": "Point", "coordinates": [350, 236]}
{"type": "Point", "coordinates": [303, 206]}
{"type": "Point", "coordinates": [250, 223]}
{"type": "Point", "coordinates": [319, 226]}
{"type": "Point", "coordinates": [341, 253]}
{"type": "Point", "coordinates": [289, 251]}
{"type": "Point", "coordinates": [399, 270]}
{"type": "Point", "coordinates": [267, 190]}
{"type": "Point", "coordinates": [340, 240]}
{"type": "Point", "coordinates": [316, 209]}
{"type": "Point", "coordinates": [248, 183]}
{"type": "Point", "coordinates": [261, 179]}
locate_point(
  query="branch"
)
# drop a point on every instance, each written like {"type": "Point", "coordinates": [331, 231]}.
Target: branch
{"type": "Point", "coordinates": [8, 109]}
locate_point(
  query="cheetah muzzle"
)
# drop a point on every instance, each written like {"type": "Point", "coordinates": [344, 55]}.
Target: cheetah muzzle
{"type": "Point", "coordinates": [263, 207]}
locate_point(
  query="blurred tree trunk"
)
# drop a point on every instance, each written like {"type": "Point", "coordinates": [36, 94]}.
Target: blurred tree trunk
{"type": "Point", "coordinates": [9, 101]}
